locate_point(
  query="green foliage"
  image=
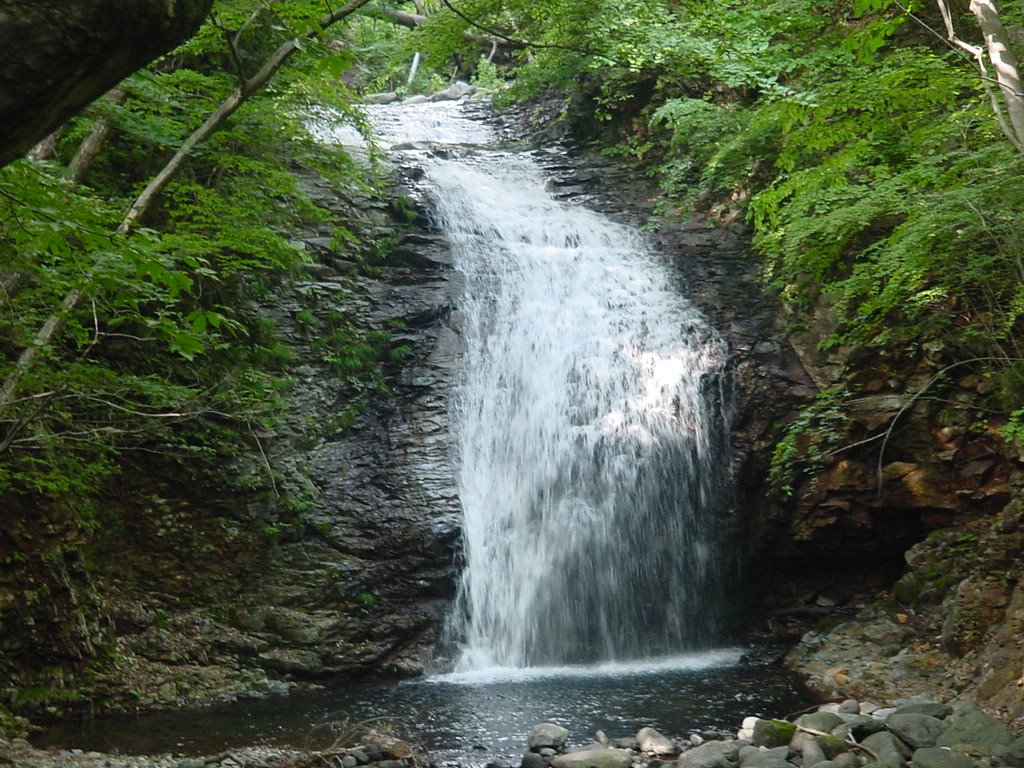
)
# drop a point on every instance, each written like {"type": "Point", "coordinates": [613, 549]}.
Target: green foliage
{"type": "Point", "coordinates": [164, 355]}
{"type": "Point", "coordinates": [804, 447]}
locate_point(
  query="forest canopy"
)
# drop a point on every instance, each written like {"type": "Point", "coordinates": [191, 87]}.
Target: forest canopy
{"type": "Point", "coordinates": [873, 146]}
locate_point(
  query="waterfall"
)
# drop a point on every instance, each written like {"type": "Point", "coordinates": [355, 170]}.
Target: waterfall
{"type": "Point", "coordinates": [589, 444]}
{"type": "Point", "coordinates": [590, 439]}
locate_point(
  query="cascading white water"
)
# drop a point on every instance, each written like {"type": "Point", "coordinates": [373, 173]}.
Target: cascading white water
{"type": "Point", "coordinates": [588, 443]}
{"type": "Point", "coordinates": [590, 439]}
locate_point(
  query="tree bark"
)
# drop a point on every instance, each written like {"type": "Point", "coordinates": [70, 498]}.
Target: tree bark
{"type": "Point", "coordinates": [46, 148]}
{"type": "Point", "coordinates": [59, 55]}
{"type": "Point", "coordinates": [92, 145]}
{"type": "Point", "coordinates": [1004, 62]}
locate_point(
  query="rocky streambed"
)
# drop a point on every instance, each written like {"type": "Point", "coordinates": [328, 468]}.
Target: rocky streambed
{"type": "Point", "coordinates": [850, 734]}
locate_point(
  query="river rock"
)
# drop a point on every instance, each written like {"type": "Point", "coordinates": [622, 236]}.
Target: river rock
{"type": "Point", "coordinates": [417, 99]}
{"type": "Point", "coordinates": [767, 758]}
{"type": "Point", "coordinates": [820, 721]}
{"type": "Point", "coordinates": [1013, 755]}
{"type": "Point", "coordinates": [846, 760]}
{"type": "Point", "coordinates": [850, 707]}
{"type": "Point", "coordinates": [914, 730]}
{"type": "Point", "coordinates": [346, 762]}
{"type": "Point", "coordinates": [547, 735]}
{"type": "Point", "coordinates": [978, 729]}
{"type": "Point", "coordinates": [931, 708]}
{"type": "Point", "coordinates": [387, 97]}
{"type": "Point", "coordinates": [627, 742]}
{"type": "Point", "coordinates": [655, 743]}
{"type": "Point", "coordinates": [772, 733]}
{"type": "Point", "coordinates": [712, 754]}
{"type": "Point", "coordinates": [938, 757]}
{"type": "Point", "coordinates": [859, 727]}
{"type": "Point", "coordinates": [890, 750]}
{"type": "Point", "coordinates": [533, 760]}
{"type": "Point", "coordinates": [812, 753]}
{"type": "Point", "coordinates": [594, 758]}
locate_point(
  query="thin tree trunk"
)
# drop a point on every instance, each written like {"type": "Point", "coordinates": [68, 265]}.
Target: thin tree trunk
{"type": "Point", "coordinates": [91, 147]}
{"type": "Point", "coordinates": [1004, 62]}
{"type": "Point", "coordinates": [46, 333]}
{"type": "Point", "coordinates": [46, 148]}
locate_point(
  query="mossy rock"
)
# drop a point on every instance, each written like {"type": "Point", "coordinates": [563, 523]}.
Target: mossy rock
{"type": "Point", "coordinates": [773, 733]}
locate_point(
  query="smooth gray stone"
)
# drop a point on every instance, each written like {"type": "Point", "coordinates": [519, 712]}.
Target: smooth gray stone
{"type": "Point", "coordinates": [820, 721]}
{"type": "Point", "coordinates": [547, 735]}
{"type": "Point", "coordinates": [937, 757]}
{"type": "Point", "coordinates": [812, 753]}
{"type": "Point", "coordinates": [915, 730]}
{"type": "Point", "coordinates": [933, 708]}
{"type": "Point", "coordinates": [709, 755]}
{"type": "Point", "coordinates": [978, 729]}
{"type": "Point", "coordinates": [594, 758]}
{"type": "Point", "coordinates": [890, 750]}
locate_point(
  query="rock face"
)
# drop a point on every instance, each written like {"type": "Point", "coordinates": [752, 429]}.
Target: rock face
{"type": "Point", "coordinates": [328, 549]}
{"type": "Point", "coordinates": [951, 626]}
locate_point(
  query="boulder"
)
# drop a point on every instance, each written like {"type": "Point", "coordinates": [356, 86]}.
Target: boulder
{"type": "Point", "coordinates": [381, 98]}
{"type": "Point", "coordinates": [931, 708]}
{"type": "Point", "coordinates": [773, 733]}
{"type": "Point", "coordinates": [860, 727]}
{"type": "Point", "coordinates": [594, 758]}
{"type": "Point", "coordinates": [889, 749]}
{"type": "Point", "coordinates": [709, 755]}
{"type": "Point", "coordinates": [820, 721]}
{"type": "Point", "coordinates": [937, 757]}
{"type": "Point", "coordinates": [812, 753]}
{"type": "Point", "coordinates": [977, 729]}
{"type": "Point", "coordinates": [846, 760]}
{"type": "Point", "coordinates": [547, 735]}
{"type": "Point", "coordinates": [915, 730]}
{"type": "Point", "coordinates": [655, 743]}
{"type": "Point", "coordinates": [533, 760]}
{"type": "Point", "coordinates": [767, 758]}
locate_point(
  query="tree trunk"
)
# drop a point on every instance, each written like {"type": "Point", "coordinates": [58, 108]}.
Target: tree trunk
{"type": "Point", "coordinates": [1004, 62]}
{"type": "Point", "coordinates": [91, 147]}
{"type": "Point", "coordinates": [46, 148]}
{"type": "Point", "coordinates": [59, 55]}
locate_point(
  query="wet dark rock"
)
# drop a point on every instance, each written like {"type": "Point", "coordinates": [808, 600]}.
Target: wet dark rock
{"type": "Point", "coordinates": [533, 760]}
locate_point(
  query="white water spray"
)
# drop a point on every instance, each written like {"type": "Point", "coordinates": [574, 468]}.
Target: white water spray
{"type": "Point", "coordinates": [590, 440]}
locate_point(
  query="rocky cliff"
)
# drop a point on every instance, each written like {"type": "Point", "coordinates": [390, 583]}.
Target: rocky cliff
{"type": "Point", "coordinates": [326, 549]}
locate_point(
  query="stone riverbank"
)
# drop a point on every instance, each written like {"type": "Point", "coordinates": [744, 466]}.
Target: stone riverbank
{"type": "Point", "coordinates": [852, 734]}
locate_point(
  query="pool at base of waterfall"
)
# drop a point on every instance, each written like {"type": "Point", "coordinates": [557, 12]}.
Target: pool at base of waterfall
{"type": "Point", "coordinates": [472, 718]}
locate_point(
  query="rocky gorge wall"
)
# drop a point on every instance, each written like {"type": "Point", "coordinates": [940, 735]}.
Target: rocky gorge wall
{"type": "Point", "coordinates": [326, 549]}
